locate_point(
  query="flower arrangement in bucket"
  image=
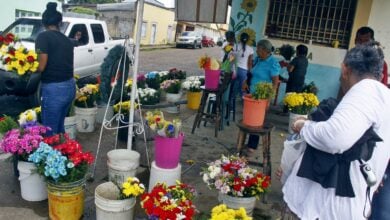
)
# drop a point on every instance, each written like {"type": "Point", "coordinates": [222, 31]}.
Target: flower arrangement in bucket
{"type": "Point", "coordinates": [212, 71]}
{"type": "Point", "coordinates": [300, 103]}
{"type": "Point", "coordinates": [167, 141]}
{"type": "Point", "coordinates": [176, 74]}
{"type": "Point", "coordinates": [171, 86]}
{"type": "Point", "coordinates": [123, 108]}
{"type": "Point", "coordinates": [15, 57]}
{"type": "Point", "coordinates": [222, 212]}
{"type": "Point", "coordinates": [256, 104]}
{"type": "Point", "coordinates": [148, 96]}
{"type": "Point", "coordinates": [169, 202]}
{"type": "Point", "coordinates": [237, 183]}
{"type": "Point", "coordinates": [192, 85]}
{"type": "Point", "coordinates": [153, 80]}
{"type": "Point", "coordinates": [132, 187]}
{"type": "Point", "coordinates": [141, 81]}
{"type": "Point", "coordinates": [86, 96]}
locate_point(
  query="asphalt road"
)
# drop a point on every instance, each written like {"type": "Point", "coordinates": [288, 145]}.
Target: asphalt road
{"type": "Point", "coordinates": [152, 60]}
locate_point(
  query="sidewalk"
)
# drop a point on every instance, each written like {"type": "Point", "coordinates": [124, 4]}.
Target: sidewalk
{"type": "Point", "coordinates": [202, 147]}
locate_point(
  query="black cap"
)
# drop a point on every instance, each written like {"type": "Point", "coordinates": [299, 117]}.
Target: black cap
{"type": "Point", "coordinates": [51, 16]}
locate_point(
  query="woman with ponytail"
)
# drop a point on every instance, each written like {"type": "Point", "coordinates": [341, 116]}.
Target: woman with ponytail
{"type": "Point", "coordinates": [244, 58]}
{"type": "Point", "coordinates": [55, 55]}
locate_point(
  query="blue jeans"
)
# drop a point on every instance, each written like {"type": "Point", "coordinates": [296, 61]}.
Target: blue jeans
{"type": "Point", "coordinates": [241, 77]}
{"type": "Point", "coordinates": [56, 100]}
{"type": "Point", "coordinates": [381, 200]}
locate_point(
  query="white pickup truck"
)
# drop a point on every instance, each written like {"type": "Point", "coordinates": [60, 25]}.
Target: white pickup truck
{"type": "Point", "coordinates": [89, 53]}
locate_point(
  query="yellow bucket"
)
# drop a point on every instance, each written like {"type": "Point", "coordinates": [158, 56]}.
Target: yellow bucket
{"type": "Point", "coordinates": [193, 100]}
{"type": "Point", "coordinates": [66, 200]}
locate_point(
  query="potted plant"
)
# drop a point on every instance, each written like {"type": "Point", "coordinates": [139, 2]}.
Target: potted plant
{"type": "Point", "coordinates": [176, 74]}
{"type": "Point", "coordinates": [148, 96]}
{"type": "Point", "coordinates": [117, 201]}
{"type": "Point", "coordinates": [141, 81]}
{"type": "Point", "coordinates": [6, 123]}
{"type": "Point", "coordinates": [168, 139]}
{"type": "Point", "coordinates": [299, 105]}
{"type": "Point", "coordinates": [222, 212]}
{"type": "Point", "coordinates": [212, 71]}
{"type": "Point", "coordinates": [172, 89]}
{"type": "Point", "coordinates": [194, 94]}
{"type": "Point", "coordinates": [70, 123]}
{"type": "Point", "coordinates": [153, 80]}
{"type": "Point", "coordinates": [237, 183]}
{"type": "Point", "coordinates": [256, 104]}
{"type": "Point", "coordinates": [63, 163]}
{"type": "Point", "coordinates": [169, 202]}
{"type": "Point", "coordinates": [122, 109]}
{"type": "Point", "coordinates": [86, 109]}
{"type": "Point", "coordinates": [22, 142]}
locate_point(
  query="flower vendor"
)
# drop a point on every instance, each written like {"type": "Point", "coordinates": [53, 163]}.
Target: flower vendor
{"type": "Point", "coordinates": [55, 54]}
{"type": "Point", "coordinates": [265, 69]}
{"type": "Point", "coordinates": [361, 108]}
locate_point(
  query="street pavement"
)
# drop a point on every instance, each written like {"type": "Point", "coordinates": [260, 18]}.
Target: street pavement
{"type": "Point", "coordinates": [201, 147]}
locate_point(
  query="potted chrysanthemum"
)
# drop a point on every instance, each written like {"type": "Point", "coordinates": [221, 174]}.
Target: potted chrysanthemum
{"type": "Point", "coordinates": [86, 109]}
{"type": "Point", "coordinates": [172, 88]}
{"type": "Point", "coordinates": [194, 94]}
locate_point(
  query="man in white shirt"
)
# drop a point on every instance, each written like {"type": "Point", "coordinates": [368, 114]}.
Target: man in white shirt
{"type": "Point", "coordinates": [362, 107]}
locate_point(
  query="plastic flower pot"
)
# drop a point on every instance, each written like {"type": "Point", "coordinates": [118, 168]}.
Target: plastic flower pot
{"type": "Point", "coordinates": [167, 151]}
{"type": "Point", "coordinates": [211, 78]}
{"type": "Point", "coordinates": [254, 111]}
{"type": "Point", "coordinates": [193, 100]}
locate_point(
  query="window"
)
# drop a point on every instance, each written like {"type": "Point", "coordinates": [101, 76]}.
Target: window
{"type": "Point", "coordinates": [79, 34]}
{"type": "Point", "coordinates": [98, 33]}
{"type": "Point", "coordinates": [24, 30]}
{"type": "Point", "coordinates": [143, 29]}
{"type": "Point", "coordinates": [321, 21]}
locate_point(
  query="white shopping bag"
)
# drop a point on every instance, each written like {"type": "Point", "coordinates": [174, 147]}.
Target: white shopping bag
{"type": "Point", "coordinates": [294, 147]}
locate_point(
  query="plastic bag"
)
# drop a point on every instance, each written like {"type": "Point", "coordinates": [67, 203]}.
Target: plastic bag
{"type": "Point", "coordinates": [294, 147]}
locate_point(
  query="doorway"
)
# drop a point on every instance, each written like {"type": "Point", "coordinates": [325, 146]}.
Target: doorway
{"type": "Point", "coordinates": [153, 34]}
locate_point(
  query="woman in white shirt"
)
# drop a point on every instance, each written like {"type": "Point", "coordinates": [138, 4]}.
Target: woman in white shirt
{"type": "Point", "coordinates": [244, 54]}
{"type": "Point", "coordinates": [362, 107]}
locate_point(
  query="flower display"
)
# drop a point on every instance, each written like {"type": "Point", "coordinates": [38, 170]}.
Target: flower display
{"type": "Point", "coordinates": [15, 57]}
{"type": "Point", "coordinates": [141, 81]}
{"type": "Point", "coordinates": [300, 103]}
{"type": "Point", "coordinates": [7, 123]}
{"type": "Point", "coordinates": [148, 96]}
{"type": "Point", "coordinates": [176, 74]}
{"type": "Point", "coordinates": [23, 142]}
{"type": "Point", "coordinates": [123, 107]}
{"type": "Point", "coordinates": [131, 188]}
{"type": "Point", "coordinates": [28, 116]}
{"type": "Point", "coordinates": [221, 212]}
{"type": "Point", "coordinates": [192, 84]}
{"type": "Point", "coordinates": [206, 62]}
{"type": "Point", "coordinates": [169, 202]}
{"type": "Point", "coordinates": [162, 127]}
{"type": "Point", "coordinates": [171, 86]}
{"type": "Point", "coordinates": [153, 80]}
{"type": "Point", "coordinates": [87, 96]}
{"type": "Point", "coordinates": [232, 176]}
{"type": "Point", "coordinates": [61, 159]}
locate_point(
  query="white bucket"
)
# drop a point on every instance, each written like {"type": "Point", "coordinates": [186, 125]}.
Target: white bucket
{"type": "Point", "coordinates": [86, 118]}
{"type": "Point", "coordinates": [108, 207]}
{"type": "Point", "coordinates": [102, 110]}
{"type": "Point", "coordinates": [70, 125]}
{"type": "Point", "coordinates": [32, 185]}
{"type": "Point", "coordinates": [122, 163]}
{"type": "Point", "coordinates": [248, 203]}
{"type": "Point", "coordinates": [159, 175]}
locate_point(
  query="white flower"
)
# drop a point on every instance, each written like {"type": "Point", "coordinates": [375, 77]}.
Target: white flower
{"type": "Point", "coordinates": [180, 216]}
{"type": "Point", "coordinates": [225, 189]}
{"type": "Point", "coordinates": [218, 184]}
{"type": "Point", "coordinates": [206, 178]}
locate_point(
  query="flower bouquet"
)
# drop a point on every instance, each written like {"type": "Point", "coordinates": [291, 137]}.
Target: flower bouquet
{"type": "Point", "coordinates": [232, 176]}
{"type": "Point", "coordinates": [194, 95]}
{"type": "Point", "coordinates": [222, 212]}
{"type": "Point", "coordinates": [176, 74]}
{"type": "Point", "coordinates": [171, 86]}
{"type": "Point", "coordinates": [153, 80]}
{"type": "Point", "coordinates": [169, 202]}
{"type": "Point", "coordinates": [148, 96]}
{"type": "Point", "coordinates": [141, 81]}
{"type": "Point", "coordinates": [300, 103]}
{"type": "Point", "coordinates": [15, 57]}
{"type": "Point", "coordinates": [30, 117]}
{"type": "Point", "coordinates": [208, 63]}
{"type": "Point", "coordinates": [192, 84]}
{"type": "Point", "coordinates": [131, 188]}
{"type": "Point", "coordinates": [86, 96]}
{"type": "Point", "coordinates": [123, 107]}
{"type": "Point", "coordinates": [162, 127]}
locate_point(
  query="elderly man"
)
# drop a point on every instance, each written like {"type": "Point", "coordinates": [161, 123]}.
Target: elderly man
{"type": "Point", "coordinates": [360, 108]}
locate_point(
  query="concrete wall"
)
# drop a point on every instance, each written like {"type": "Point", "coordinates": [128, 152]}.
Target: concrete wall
{"type": "Point", "coordinates": [8, 8]}
{"type": "Point", "coordinates": [162, 18]}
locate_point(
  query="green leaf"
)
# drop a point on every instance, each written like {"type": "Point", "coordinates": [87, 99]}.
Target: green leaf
{"type": "Point", "coordinates": [250, 18]}
{"type": "Point", "coordinates": [239, 14]}
{"type": "Point", "coordinates": [239, 27]}
{"type": "Point", "coordinates": [232, 22]}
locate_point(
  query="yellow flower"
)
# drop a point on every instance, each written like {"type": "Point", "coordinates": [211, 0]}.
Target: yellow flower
{"type": "Point", "coordinates": [252, 36]}
{"type": "Point", "coordinates": [38, 109]}
{"type": "Point", "coordinates": [249, 5]}
{"type": "Point", "coordinates": [228, 48]}
{"type": "Point", "coordinates": [129, 83]}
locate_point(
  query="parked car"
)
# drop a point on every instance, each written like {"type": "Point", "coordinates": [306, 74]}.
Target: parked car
{"type": "Point", "coordinates": [207, 42]}
{"type": "Point", "coordinates": [89, 52]}
{"type": "Point", "coordinates": [189, 39]}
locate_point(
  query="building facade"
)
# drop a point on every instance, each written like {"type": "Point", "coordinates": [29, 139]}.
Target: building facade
{"type": "Point", "coordinates": [15, 9]}
{"type": "Point", "coordinates": [327, 28]}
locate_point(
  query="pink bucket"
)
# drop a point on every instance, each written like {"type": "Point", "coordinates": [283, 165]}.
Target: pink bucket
{"type": "Point", "coordinates": [211, 78]}
{"type": "Point", "coordinates": [167, 151]}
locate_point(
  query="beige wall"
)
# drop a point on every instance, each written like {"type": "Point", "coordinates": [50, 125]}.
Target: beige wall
{"type": "Point", "coordinates": [363, 10]}
{"type": "Point", "coordinates": [379, 21]}
{"type": "Point", "coordinates": [161, 18]}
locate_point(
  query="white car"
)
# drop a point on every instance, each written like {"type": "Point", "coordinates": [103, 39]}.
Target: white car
{"type": "Point", "coordinates": [189, 39]}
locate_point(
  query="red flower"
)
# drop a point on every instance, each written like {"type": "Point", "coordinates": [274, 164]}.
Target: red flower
{"type": "Point", "coordinates": [7, 60]}
{"type": "Point", "coordinates": [30, 59]}
{"type": "Point", "coordinates": [12, 51]}
{"type": "Point", "coordinates": [2, 118]}
{"type": "Point", "coordinates": [1, 39]}
{"type": "Point", "coordinates": [21, 62]}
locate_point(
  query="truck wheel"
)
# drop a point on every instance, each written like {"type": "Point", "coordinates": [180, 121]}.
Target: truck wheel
{"type": "Point", "coordinates": [35, 99]}
{"type": "Point", "coordinates": [194, 46]}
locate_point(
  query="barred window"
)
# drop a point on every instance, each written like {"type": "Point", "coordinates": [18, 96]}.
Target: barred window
{"type": "Point", "coordinates": [321, 21]}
